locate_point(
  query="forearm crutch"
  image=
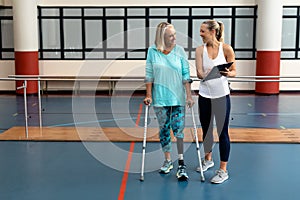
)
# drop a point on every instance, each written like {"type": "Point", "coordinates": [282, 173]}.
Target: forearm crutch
{"type": "Point", "coordinates": [197, 145]}
{"type": "Point", "coordinates": [144, 142]}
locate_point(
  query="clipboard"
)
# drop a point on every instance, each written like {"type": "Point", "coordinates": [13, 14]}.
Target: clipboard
{"type": "Point", "coordinates": [222, 67]}
{"type": "Point", "coordinates": [215, 71]}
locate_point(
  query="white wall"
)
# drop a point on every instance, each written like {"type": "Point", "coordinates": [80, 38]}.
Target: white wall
{"type": "Point", "coordinates": [136, 68]}
{"type": "Point", "coordinates": [6, 2]}
{"type": "Point", "coordinates": [155, 2]}
{"type": "Point", "coordinates": [290, 68]}
{"type": "Point", "coordinates": [7, 68]}
{"type": "Point", "coordinates": [144, 3]}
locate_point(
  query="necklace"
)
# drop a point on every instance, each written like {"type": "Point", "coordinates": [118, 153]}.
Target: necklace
{"type": "Point", "coordinates": [166, 52]}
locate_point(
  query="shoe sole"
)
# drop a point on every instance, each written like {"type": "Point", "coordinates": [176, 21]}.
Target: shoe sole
{"type": "Point", "coordinates": [167, 171]}
{"type": "Point", "coordinates": [182, 178]}
{"type": "Point", "coordinates": [198, 168]}
{"type": "Point", "coordinates": [218, 182]}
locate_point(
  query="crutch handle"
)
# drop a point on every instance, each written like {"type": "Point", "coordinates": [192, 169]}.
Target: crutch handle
{"type": "Point", "coordinates": [147, 101]}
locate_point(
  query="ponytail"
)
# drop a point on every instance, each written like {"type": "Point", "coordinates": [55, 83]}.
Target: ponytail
{"type": "Point", "coordinates": [220, 32]}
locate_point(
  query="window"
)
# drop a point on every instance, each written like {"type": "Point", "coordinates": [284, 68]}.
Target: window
{"type": "Point", "coordinates": [127, 32]}
{"type": "Point", "coordinates": [290, 45]}
{"type": "Point", "coordinates": [6, 36]}
{"type": "Point", "coordinates": [50, 45]}
{"type": "Point", "coordinates": [244, 33]}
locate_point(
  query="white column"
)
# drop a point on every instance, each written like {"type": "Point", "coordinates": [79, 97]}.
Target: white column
{"type": "Point", "coordinates": [269, 25]}
{"type": "Point", "coordinates": [268, 43]}
{"type": "Point", "coordinates": [26, 41]}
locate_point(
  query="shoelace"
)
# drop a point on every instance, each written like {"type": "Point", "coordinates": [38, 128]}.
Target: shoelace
{"type": "Point", "coordinates": [166, 163]}
{"type": "Point", "coordinates": [181, 169]}
{"type": "Point", "coordinates": [204, 163]}
{"type": "Point", "coordinates": [219, 173]}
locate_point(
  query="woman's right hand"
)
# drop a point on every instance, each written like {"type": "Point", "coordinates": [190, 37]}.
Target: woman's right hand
{"type": "Point", "coordinates": [202, 75]}
{"type": "Point", "coordinates": [147, 100]}
{"type": "Point", "coordinates": [206, 72]}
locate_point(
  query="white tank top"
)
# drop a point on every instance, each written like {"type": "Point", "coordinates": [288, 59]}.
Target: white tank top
{"type": "Point", "coordinates": [218, 87]}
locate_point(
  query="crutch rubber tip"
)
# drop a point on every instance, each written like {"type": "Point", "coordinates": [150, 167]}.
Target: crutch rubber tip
{"type": "Point", "coordinates": [202, 179]}
{"type": "Point", "coordinates": [142, 178]}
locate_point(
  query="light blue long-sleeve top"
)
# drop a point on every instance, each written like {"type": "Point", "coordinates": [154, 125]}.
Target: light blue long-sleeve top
{"type": "Point", "coordinates": [168, 73]}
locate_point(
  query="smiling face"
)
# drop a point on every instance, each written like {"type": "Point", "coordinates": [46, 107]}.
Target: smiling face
{"type": "Point", "coordinates": [206, 34]}
{"type": "Point", "coordinates": [170, 36]}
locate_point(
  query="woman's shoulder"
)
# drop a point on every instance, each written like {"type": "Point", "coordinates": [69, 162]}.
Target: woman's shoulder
{"type": "Point", "coordinates": [227, 46]}
{"type": "Point", "coordinates": [200, 48]}
{"type": "Point", "coordinates": [152, 47]}
{"type": "Point", "coordinates": [227, 49]}
{"type": "Point", "coordinates": [152, 50]}
{"type": "Point", "coordinates": [179, 48]}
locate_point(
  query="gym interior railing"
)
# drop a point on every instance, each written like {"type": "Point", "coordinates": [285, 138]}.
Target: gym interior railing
{"type": "Point", "coordinates": [39, 79]}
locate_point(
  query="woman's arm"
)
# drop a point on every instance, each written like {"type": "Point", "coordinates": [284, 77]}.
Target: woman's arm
{"type": "Point", "coordinates": [189, 100]}
{"type": "Point", "coordinates": [149, 77]}
{"type": "Point", "coordinates": [199, 63]}
{"type": "Point", "coordinates": [148, 98]}
{"type": "Point", "coordinates": [230, 57]}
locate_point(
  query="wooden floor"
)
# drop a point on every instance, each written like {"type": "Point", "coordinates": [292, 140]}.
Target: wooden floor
{"type": "Point", "coordinates": [260, 135]}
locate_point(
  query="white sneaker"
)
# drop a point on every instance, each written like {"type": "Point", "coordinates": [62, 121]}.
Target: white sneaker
{"type": "Point", "coordinates": [166, 168]}
{"type": "Point", "coordinates": [220, 176]}
{"type": "Point", "coordinates": [206, 164]}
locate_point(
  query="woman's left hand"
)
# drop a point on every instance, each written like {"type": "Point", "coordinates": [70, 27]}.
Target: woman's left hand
{"type": "Point", "coordinates": [226, 72]}
{"type": "Point", "coordinates": [190, 102]}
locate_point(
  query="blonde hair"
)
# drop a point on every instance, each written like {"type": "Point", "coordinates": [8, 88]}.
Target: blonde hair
{"type": "Point", "coordinates": [218, 26]}
{"type": "Point", "coordinates": [160, 33]}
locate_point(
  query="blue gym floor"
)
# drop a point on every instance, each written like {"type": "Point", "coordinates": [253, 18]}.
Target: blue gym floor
{"type": "Point", "coordinates": [31, 170]}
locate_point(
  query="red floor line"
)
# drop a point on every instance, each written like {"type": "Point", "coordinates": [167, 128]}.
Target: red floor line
{"type": "Point", "coordinates": [127, 167]}
{"type": "Point", "coordinates": [139, 116]}
{"type": "Point", "coordinates": [125, 175]}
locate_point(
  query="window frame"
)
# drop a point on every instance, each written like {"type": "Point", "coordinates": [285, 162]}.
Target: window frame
{"type": "Point", "coordinates": [147, 17]}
